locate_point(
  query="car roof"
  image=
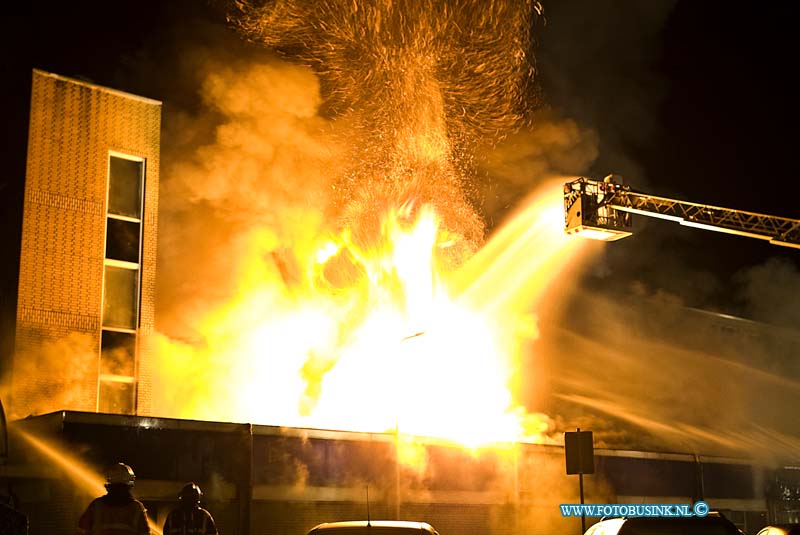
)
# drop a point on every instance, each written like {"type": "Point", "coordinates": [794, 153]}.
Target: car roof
{"type": "Point", "coordinates": [359, 526]}
{"type": "Point", "coordinates": [665, 525]}
{"type": "Point", "coordinates": [791, 529]}
{"type": "Point", "coordinates": [606, 526]}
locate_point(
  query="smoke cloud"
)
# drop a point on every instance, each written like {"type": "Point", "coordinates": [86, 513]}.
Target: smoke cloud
{"type": "Point", "coordinates": [656, 375]}
{"type": "Point", "coordinates": [238, 195]}
{"type": "Point", "coordinates": [391, 128]}
{"type": "Point", "coordinates": [768, 292]}
{"type": "Point", "coordinates": [553, 146]}
{"type": "Point", "coordinates": [598, 65]}
{"type": "Point", "coordinates": [626, 359]}
{"type": "Point", "coordinates": [281, 155]}
{"type": "Point", "coordinates": [64, 368]}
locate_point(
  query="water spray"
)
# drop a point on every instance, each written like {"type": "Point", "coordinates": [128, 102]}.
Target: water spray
{"type": "Point", "coordinates": [87, 479]}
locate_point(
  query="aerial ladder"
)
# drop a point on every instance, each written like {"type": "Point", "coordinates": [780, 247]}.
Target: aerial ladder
{"type": "Point", "coordinates": [602, 210]}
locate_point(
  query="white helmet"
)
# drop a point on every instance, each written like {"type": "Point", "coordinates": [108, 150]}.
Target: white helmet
{"type": "Point", "coordinates": [120, 474]}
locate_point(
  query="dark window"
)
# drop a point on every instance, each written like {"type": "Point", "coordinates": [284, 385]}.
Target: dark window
{"type": "Point", "coordinates": [125, 187]}
{"type": "Point", "coordinates": [728, 481]}
{"type": "Point", "coordinates": [122, 240]}
{"type": "Point", "coordinates": [116, 397]}
{"type": "Point", "coordinates": [118, 351]}
{"type": "Point", "coordinates": [120, 308]}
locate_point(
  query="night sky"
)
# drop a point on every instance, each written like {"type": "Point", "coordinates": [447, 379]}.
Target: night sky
{"type": "Point", "coordinates": [691, 100]}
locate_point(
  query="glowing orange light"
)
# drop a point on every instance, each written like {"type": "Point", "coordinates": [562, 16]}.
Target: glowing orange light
{"type": "Point", "coordinates": [88, 480]}
{"type": "Point", "coordinates": [379, 337]}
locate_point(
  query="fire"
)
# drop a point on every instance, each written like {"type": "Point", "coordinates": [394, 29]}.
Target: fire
{"type": "Point", "coordinates": [381, 337]}
{"type": "Point", "coordinates": [357, 307]}
{"type": "Point", "coordinates": [418, 362]}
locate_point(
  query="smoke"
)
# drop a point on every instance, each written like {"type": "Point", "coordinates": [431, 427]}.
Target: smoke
{"type": "Point", "coordinates": [544, 484]}
{"type": "Point", "coordinates": [398, 94]}
{"type": "Point", "coordinates": [598, 66]}
{"type": "Point", "coordinates": [420, 113]}
{"type": "Point", "coordinates": [63, 369]}
{"type": "Point", "coordinates": [554, 146]}
{"type": "Point", "coordinates": [767, 292]}
{"type": "Point", "coordinates": [635, 75]}
{"type": "Point", "coordinates": [283, 155]}
{"type": "Point", "coordinates": [596, 364]}
{"type": "Point", "coordinates": [238, 195]}
{"type": "Point", "coordinates": [659, 376]}
{"type": "Point", "coordinates": [421, 82]}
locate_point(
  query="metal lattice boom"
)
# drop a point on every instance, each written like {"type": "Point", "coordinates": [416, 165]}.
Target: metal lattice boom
{"type": "Point", "coordinates": [778, 230]}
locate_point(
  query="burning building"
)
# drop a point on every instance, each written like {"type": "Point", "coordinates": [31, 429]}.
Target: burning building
{"type": "Point", "coordinates": [361, 296]}
{"type": "Point", "coordinates": [290, 478]}
{"type": "Point", "coordinates": [260, 479]}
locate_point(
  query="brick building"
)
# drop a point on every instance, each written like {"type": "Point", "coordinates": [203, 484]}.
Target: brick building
{"type": "Point", "coordinates": [263, 479]}
{"type": "Point", "coordinates": [86, 278]}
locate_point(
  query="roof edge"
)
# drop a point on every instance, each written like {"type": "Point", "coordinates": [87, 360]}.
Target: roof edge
{"type": "Point", "coordinates": [99, 87]}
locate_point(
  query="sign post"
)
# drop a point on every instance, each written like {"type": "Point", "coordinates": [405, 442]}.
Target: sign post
{"type": "Point", "coordinates": [579, 453]}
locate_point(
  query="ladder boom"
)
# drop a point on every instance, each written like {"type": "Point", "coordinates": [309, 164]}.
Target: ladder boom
{"type": "Point", "coordinates": [594, 207]}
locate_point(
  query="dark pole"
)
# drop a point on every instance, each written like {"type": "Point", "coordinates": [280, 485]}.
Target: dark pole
{"type": "Point", "coordinates": [700, 486]}
{"type": "Point", "coordinates": [397, 470]}
{"type": "Point", "coordinates": [580, 482]}
{"type": "Point", "coordinates": [3, 435]}
{"type": "Point", "coordinates": [583, 515]}
{"type": "Point", "coordinates": [246, 481]}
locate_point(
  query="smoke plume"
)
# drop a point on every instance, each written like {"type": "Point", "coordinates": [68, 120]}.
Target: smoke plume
{"type": "Point", "coordinates": [63, 368]}
{"type": "Point", "coordinates": [654, 375]}
{"type": "Point", "coordinates": [239, 192]}
{"type": "Point", "coordinates": [372, 110]}
{"type": "Point", "coordinates": [768, 292]}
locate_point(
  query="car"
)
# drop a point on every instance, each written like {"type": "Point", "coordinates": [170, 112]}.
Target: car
{"type": "Point", "coordinates": [374, 527]}
{"type": "Point", "coordinates": [780, 529]}
{"type": "Point", "coordinates": [712, 524]}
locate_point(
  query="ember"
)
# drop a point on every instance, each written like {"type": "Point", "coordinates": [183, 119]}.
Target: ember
{"type": "Point", "coordinates": [372, 312]}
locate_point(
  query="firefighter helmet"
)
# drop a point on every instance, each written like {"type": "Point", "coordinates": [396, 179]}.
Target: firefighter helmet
{"type": "Point", "coordinates": [120, 474]}
{"type": "Point", "coordinates": [190, 493]}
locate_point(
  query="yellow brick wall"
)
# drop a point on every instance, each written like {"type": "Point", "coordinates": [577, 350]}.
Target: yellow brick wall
{"type": "Point", "coordinates": [73, 126]}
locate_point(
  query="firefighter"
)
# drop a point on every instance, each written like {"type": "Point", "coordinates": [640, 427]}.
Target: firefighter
{"type": "Point", "coordinates": [118, 512]}
{"type": "Point", "coordinates": [189, 518]}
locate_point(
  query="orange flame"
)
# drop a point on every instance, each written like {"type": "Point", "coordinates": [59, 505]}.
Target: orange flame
{"type": "Point", "coordinates": [379, 337]}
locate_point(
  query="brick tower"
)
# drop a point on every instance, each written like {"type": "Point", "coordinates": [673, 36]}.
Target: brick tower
{"type": "Point", "coordinates": [88, 251]}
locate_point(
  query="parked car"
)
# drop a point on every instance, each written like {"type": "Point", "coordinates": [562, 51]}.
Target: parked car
{"type": "Point", "coordinates": [374, 527]}
{"type": "Point", "coordinates": [781, 529]}
{"type": "Point", "coordinates": [713, 524]}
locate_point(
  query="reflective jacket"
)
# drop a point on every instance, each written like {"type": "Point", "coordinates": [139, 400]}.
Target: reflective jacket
{"type": "Point", "coordinates": [190, 521]}
{"type": "Point", "coordinates": [106, 516]}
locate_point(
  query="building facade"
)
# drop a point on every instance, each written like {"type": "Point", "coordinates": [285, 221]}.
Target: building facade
{"type": "Point", "coordinates": [263, 479]}
{"type": "Point", "coordinates": [88, 251]}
